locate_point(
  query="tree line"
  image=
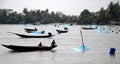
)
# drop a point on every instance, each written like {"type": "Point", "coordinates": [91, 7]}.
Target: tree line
{"type": "Point", "coordinates": [8, 16]}
{"type": "Point", "coordinates": [111, 15]}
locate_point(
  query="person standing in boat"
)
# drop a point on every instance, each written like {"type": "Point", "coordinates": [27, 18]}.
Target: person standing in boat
{"type": "Point", "coordinates": [53, 44]}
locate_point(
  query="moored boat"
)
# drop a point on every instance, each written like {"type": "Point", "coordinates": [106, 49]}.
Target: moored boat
{"type": "Point", "coordinates": [90, 28]}
{"type": "Point", "coordinates": [29, 30]}
{"type": "Point", "coordinates": [33, 35]}
{"type": "Point", "coordinates": [61, 31]}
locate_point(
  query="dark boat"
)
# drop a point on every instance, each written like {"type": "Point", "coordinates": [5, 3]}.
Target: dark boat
{"type": "Point", "coordinates": [28, 30]}
{"type": "Point", "coordinates": [28, 48]}
{"type": "Point", "coordinates": [34, 35]}
{"type": "Point", "coordinates": [61, 31]}
{"type": "Point", "coordinates": [88, 28]}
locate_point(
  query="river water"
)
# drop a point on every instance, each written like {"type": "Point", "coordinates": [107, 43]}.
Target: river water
{"type": "Point", "coordinates": [98, 44]}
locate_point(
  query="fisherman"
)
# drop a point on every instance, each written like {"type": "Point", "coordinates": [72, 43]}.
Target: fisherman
{"type": "Point", "coordinates": [65, 28]}
{"type": "Point", "coordinates": [53, 44]}
{"type": "Point", "coordinates": [35, 28]}
{"type": "Point", "coordinates": [40, 44]}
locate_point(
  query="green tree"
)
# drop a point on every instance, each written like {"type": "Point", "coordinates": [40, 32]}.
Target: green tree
{"type": "Point", "coordinates": [102, 17]}
{"type": "Point", "coordinates": [86, 17]}
{"type": "Point", "coordinates": [113, 10]}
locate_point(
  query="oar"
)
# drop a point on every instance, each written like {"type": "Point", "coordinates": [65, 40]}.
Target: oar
{"type": "Point", "coordinates": [82, 40]}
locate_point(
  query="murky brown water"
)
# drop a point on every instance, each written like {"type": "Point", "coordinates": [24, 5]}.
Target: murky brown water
{"type": "Point", "coordinates": [97, 42]}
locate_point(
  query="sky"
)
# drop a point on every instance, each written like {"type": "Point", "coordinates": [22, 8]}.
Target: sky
{"type": "Point", "coordinates": [68, 7]}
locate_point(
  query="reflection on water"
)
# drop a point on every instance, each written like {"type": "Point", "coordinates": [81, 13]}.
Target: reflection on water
{"type": "Point", "coordinates": [97, 42]}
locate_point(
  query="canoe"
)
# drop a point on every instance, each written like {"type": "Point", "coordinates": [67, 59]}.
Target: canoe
{"type": "Point", "coordinates": [28, 48]}
{"type": "Point", "coordinates": [34, 35]}
{"type": "Point", "coordinates": [29, 30]}
{"type": "Point", "coordinates": [89, 28]}
{"type": "Point", "coordinates": [61, 31]}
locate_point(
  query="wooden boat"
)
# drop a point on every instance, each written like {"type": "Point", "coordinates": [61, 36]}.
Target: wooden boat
{"type": "Point", "coordinates": [88, 28]}
{"type": "Point", "coordinates": [61, 31]}
{"type": "Point", "coordinates": [29, 30]}
{"type": "Point", "coordinates": [34, 35]}
{"type": "Point", "coordinates": [37, 32]}
{"type": "Point", "coordinates": [28, 48]}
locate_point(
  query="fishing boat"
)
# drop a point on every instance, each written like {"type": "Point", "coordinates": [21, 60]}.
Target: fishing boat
{"type": "Point", "coordinates": [29, 30]}
{"type": "Point", "coordinates": [35, 30]}
{"type": "Point", "coordinates": [61, 31]}
{"type": "Point", "coordinates": [28, 48]}
{"type": "Point", "coordinates": [92, 27]}
{"type": "Point", "coordinates": [34, 35]}
{"type": "Point", "coordinates": [89, 28]}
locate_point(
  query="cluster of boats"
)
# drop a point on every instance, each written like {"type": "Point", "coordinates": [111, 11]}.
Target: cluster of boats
{"type": "Point", "coordinates": [102, 30]}
{"type": "Point", "coordinates": [34, 33]}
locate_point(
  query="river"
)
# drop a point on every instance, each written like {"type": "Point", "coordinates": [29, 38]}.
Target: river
{"type": "Point", "coordinates": [98, 44]}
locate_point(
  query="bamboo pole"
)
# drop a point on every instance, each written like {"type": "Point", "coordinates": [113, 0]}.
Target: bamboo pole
{"type": "Point", "coordinates": [82, 40]}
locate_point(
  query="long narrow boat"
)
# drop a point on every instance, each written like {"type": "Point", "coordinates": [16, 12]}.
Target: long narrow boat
{"type": "Point", "coordinates": [29, 30]}
{"type": "Point", "coordinates": [88, 28]}
{"type": "Point", "coordinates": [28, 48]}
{"type": "Point", "coordinates": [61, 31]}
{"type": "Point", "coordinates": [34, 35]}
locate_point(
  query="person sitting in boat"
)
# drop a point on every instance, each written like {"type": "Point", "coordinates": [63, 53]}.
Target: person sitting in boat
{"type": "Point", "coordinates": [40, 44]}
{"type": "Point", "coordinates": [35, 28]}
{"type": "Point", "coordinates": [65, 28]}
{"type": "Point", "coordinates": [53, 44]}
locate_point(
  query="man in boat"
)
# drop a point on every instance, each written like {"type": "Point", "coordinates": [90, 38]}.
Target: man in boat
{"type": "Point", "coordinates": [40, 44]}
{"type": "Point", "coordinates": [53, 44]}
{"type": "Point", "coordinates": [35, 28]}
{"type": "Point", "coordinates": [65, 28]}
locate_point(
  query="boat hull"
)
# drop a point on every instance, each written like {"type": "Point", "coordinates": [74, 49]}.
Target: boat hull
{"type": "Point", "coordinates": [88, 28]}
{"type": "Point", "coordinates": [27, 48]}
{"type": "Point", "coordinates": [30, 30]}
{"type": "Point", "coordinates": [34, 36]}
{"type": "Point", "coordinates": [62, 31]}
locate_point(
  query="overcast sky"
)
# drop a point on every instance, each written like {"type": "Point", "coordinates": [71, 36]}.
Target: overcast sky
{"type": "Point", "coordinates": [69, 7]}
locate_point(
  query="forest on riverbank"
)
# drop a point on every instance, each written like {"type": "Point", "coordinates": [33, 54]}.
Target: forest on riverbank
{"type": "Point", "coordinates": [108, 16]}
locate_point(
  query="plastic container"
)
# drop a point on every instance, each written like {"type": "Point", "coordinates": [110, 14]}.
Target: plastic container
{"type": "Point", "coordinates": [112, 51]}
